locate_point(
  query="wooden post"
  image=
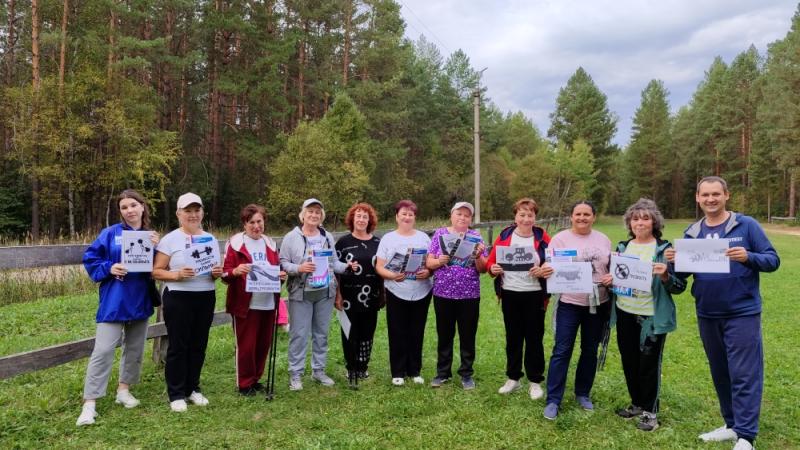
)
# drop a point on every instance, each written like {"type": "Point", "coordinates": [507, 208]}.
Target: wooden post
{"type": "Point", "coordinates": [160, 343]}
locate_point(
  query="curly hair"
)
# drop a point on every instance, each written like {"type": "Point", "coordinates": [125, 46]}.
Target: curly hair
{"type": "Point", "coordinates": [648, 208]}
{"type": "Point", "coordinates": [349, 218]}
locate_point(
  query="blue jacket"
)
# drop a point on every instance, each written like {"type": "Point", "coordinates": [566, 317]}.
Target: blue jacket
{"type": "Point", "coordinates": [120, 300]}
{"type": "Point", "coordinates": [734, 294]}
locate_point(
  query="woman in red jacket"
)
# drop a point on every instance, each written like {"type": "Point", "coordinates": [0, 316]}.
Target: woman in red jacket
{"type": "Point", "coordinates": [515, 262]}
{"type": "Point", "coordinates": [253, 313]}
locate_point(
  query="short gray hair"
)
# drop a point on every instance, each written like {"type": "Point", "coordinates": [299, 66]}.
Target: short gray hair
{"type": "Point", "coordinates": [303, 212]}
{"type": "Point", "coordinates": [648, 207]}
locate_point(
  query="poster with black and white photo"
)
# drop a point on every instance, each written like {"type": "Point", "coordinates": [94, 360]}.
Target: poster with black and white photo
{"type": "Point", "coordinates": [263, 277]}
{"type": "Point", "coordinates": [516, 258]}
{"type": "Point", "coordinates": [137, 251]}
{"type": "Point", "coordinates": [466, 252]}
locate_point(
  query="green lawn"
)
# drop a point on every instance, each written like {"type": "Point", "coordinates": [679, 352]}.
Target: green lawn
{"type": "Point", "coordinates": [39, 410]}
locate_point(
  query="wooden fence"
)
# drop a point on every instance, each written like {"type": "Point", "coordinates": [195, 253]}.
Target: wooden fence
{"type": "Point", "coordinates": [25, 257]}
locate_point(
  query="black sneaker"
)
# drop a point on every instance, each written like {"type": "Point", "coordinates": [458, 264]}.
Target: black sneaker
{"type": "Point", "coordinates": [248, 391]}
{"type": "Point", "coordinates": [258, 386]}
{"type": "Point", "coordinates": [363, 374]}
{"type": "Point", "coordinates": [647, 422]}
{"type": "Point", "coordinates": [630, 412]}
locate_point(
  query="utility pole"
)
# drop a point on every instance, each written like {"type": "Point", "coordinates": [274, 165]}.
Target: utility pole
{"type": "Point", "coordinates": [476, 103]}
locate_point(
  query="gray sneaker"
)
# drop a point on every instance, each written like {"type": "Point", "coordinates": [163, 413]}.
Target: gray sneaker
{"type": "Point", "coordinates": [585, 402]}
{"type": "Point", "coordinates": [467, 383]}
{"type": "Point", "coordinates": [322, 378]}
{"type": "Point", "coordinates": [630, 412]}
{"type": "Point", "coordinates": [439, 381]}
{"type": "Point", "coordinates": [295, 383]}
{"type": "Point", "coordinates": [551, 411]}
{"type": "Point", "coordinates": [648, 422]}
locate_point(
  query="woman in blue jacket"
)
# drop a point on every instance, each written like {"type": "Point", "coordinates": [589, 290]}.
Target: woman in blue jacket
{"type": "Point", "coordinates": [126, 303]}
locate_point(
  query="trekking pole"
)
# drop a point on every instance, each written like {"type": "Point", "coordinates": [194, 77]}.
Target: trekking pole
{"type": "Point", "coordinates": [273, 356]}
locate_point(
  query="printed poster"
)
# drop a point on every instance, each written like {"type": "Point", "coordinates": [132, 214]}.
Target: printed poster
{"type": "Point", "coordinates": [702, 256]}
{"type": "Point", "coordinates": [631, 272]}
{"type": "Point", "coordinates": [263, 277]}
{"type": "Point", "coordinates": [516, 258]}
{"type": "Point", "coordinates": [570, 278]}
{"type": "Point", "coordinates": [137, 251]}
{"type": "Point", "coordinates": [202, 255]}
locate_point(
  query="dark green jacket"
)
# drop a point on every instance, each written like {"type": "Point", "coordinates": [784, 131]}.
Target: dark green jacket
{"type": "Point", "coordinates": [663, 321]}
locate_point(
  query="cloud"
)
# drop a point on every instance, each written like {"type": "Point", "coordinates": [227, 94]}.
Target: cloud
{"type": "Point", "coordinates": [532, 47]}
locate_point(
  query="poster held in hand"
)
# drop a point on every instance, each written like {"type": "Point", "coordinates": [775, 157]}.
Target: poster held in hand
{"type": "Point", "coordinates": [702, 256]}
{"type": "Point", "coordinates": [466, 252]}
{"type": "Point", "coordinates": [516, 258]}
{"type": "Point", "coordinates": [415, 262]}
{"type": "Point", "coordinates": [202, 256]}
{"type": "Point", "coordinates": [631, 272]}
{"type": "Point", "coordinates": [570, 278]}
{"type": "Point", "coordinates": [322, 268]}
{"type": "Point", "coordinates": [263, 277]}
{"type": "Point", "coordinates": [137, 251]}
{"type": "Point", "coordinates": [344, 321]}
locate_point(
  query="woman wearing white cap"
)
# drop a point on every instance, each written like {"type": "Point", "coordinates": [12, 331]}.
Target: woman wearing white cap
{"type": "Point", "coordinates": [311, 293]}
{"type": "Point", "coordinates": [456, 295]}
{"type": "Point", "coordinates": [188, 299]}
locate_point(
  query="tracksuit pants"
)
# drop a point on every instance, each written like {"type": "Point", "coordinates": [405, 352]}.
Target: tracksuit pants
{"type": "Point", "coordinates": [253, 340]}
{"type": "Point", "coordinates": [736, 359]}
{"type": "Point", "coordinates": [358, 348]}
{"type": "Point", "coordinates": [452, 313]}
{"type": "Point", "coordinates": [523, 316]}
{"type": "Point", "coordinates": [132, 336]}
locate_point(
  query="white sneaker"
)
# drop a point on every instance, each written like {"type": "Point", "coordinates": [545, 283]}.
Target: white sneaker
{"type": "Point", "coordinates": [127, 400]}
{"type": "Point", "coordinates": [722, 433]}
{"type": "Point", "coordinates": [398, 381]}
{"type": "Point", "coordinates": [322, 378]}
{"type": "Point", "coordinates": [418, 380]}
{"type": "Point", "coordinates": [178, 405]}
{"type": "Point", "coordinates": [87, 415]}
{"type": "Point", "coordinates": [535, 391]}
{"type": "Point", "coordinates": [742, 444]}
{"type": "Point", "coordinates": [198, 399]}
{"type": "Point", "coordinates": [509, 387]}
{"type": "Point", "coordinates": [295, 383]}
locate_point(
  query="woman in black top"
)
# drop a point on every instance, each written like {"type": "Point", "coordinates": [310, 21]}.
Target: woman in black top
{"type": "Point", "coordinates": [360, 292]}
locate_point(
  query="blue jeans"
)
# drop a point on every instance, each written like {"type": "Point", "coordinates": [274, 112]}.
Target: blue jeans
{"type": "Point", "coordinates": [736, 358]}
{"type": "Point", "coordinates": [569, 318]}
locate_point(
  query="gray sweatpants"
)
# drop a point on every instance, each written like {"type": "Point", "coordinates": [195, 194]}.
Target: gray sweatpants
{"type": "Point", "coordinates": [109, 334]}
{"type": "Point", "coordinates": [308, 317]}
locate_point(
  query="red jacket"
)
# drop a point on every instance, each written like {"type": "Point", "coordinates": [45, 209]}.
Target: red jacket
{"type": "Point", "coordinates": [540, 242]}
{"type": "Point", "coordinates": [237, 301]}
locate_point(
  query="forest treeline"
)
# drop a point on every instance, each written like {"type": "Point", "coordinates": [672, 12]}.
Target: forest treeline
{"type": "Point", "coordinates": [278, 100]}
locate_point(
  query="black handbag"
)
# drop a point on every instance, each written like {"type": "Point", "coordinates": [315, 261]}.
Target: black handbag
{"type": "Point", "coordinates": [155, 296]}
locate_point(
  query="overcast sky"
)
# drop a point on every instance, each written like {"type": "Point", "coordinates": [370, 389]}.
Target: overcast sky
{"type": "Point", "coordinates": [532, 47]}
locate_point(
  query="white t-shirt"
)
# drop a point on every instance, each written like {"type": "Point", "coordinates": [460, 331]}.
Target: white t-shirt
{"type": "Point", "coordinates": [522, 281]}
{"type": "Point", "coordinates": [392, 243]}
{"type": "Point", "coordinates": [257, 248]}
{"type": "Point", "coordinates": [173, 245]}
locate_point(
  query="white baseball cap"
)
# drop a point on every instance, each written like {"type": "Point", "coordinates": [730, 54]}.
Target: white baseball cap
{"type": "Point", "coordinates": [467, 205]}
{"type": "Point", "coordinates": [189, 199]}
{"type": "Point", "coordinates": [312, 201]}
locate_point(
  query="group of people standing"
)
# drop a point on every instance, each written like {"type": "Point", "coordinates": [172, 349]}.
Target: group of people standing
{"type": "Point", "coordinates": [360, 280]}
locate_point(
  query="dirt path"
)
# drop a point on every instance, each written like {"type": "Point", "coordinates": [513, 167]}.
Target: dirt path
{"type": "Point", "coordinates": [792, 231]}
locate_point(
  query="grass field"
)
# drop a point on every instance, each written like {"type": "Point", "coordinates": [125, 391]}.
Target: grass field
{"type": "Point", "coordinates": [39, 410]}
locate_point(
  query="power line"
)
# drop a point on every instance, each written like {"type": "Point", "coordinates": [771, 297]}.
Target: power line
{"type": "Point", "coordinates": [425, 26]}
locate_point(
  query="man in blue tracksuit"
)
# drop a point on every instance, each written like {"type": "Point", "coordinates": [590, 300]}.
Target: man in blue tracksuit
{"type": "Point", "coordinates": [729, 312]}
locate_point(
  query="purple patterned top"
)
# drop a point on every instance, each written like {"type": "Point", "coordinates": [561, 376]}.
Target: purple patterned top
{"type": "Point", "coordinates": [454, 282]}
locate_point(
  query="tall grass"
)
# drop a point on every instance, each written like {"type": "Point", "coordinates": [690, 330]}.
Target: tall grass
{"type": "Point", "coordinates": [19, 286]}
